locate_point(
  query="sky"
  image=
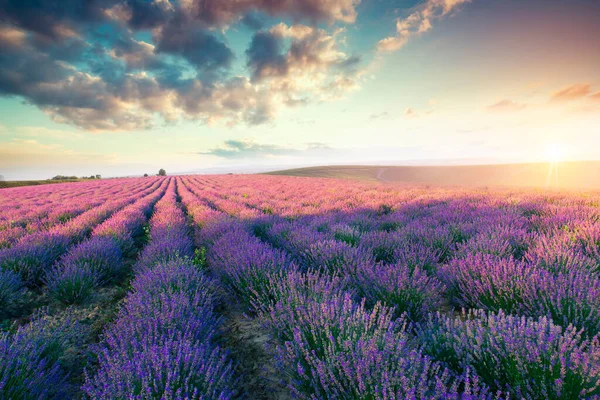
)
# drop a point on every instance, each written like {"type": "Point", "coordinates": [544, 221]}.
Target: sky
{"type": "Point", "coordinates": [125, 87]}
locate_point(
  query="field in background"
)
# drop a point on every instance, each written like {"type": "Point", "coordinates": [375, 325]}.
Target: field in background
{"type": "Point", "coordinates": [567, 175]}
{"type": "Point", "coordinates": [276, 287]}
{"type": "Point", "coordinates": [9, 184]}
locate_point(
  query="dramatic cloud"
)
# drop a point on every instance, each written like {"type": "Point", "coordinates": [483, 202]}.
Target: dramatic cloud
{"type": "Point", "coordinates": [419, 21]}
{"type": "Point", "coordinates": [573, 92]}
{"type": "Point", "coordinates": [94, 65]}
{"type": "Point", "coordinates": [239, 149]}
{"type": "Point", "coordinates": [506, 106]}
{"type": "Point", "coordinates": [300, 61]}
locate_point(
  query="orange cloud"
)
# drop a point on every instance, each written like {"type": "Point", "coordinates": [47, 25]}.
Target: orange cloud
{"type": "Point", "coordinates": [572, 92]}
{"type": "Point", "coordinates": [418, 22]}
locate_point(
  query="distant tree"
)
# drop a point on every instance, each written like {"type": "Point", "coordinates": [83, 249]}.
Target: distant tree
{"type": "Point", "coordinates": [92, 177]}
{"type": "Point", "coordinates": [98, 176]}
{"type": "Point", "coordinates": [162, 172]}
{"type": "Point", "coordinates": [145, 175]}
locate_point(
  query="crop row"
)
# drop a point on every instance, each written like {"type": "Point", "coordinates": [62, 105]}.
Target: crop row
{"type": "Point", "coordinates": [162, 343]}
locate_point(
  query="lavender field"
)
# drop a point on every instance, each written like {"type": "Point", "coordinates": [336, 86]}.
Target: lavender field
{"type": "Point", "coordinates": [272, 287]}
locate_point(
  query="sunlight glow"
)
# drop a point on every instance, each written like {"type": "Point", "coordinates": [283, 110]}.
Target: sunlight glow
{"type": "Point", "coordinates": [555, 152]}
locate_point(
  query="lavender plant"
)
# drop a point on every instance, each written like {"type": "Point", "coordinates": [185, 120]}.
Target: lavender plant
{"type": "Point", "coordinates": [525, 357]}
{"type": "Point", "coordinates": [10, 285]}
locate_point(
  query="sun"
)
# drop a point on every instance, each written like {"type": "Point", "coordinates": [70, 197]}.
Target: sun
{"type": "Point", "coordinates": [555, 152]}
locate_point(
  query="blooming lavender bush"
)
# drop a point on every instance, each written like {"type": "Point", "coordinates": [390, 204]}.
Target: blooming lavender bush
{"type": "Point", "coordinates": [71, 283]}
{"type": "Point", "coordinates": [10, 285]}
{"type": "Point", "coordinates": [25, 372]}
{"type": "Point", "coordinates": [287, 290]}
{"type": "Point", "coordinates": [244, 263]}
{"type": "Point", "coordinates": [569, 299]}
{"type": "Point", "coordinates": [30, 358]}
{"type": "Point", "coordinates": [99, 255]}
{"type": "Point", "coordinates": [558, 253]}
{"type": "Point", "coordinates": [162, 367]}
{"type": "Point", "coordinates": [489, 282]}
{"type": "Point", "coordinates": [398, 286]}
{"type": "Point", "coordinates": [33, 255]}
{"type": "Point", "coordinates": [167, 324]}
{"type": "Point", "coordinates": [332, 256]}
{"type": "Point", "coordinates": [339, 349]}
{"type": "Point", "coordinates": [170, 248]}
{"type": "Point", "coordinates": [524, 357]}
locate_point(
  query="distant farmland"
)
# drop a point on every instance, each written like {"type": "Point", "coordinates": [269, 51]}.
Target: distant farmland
{"type": "Point", "coordinates": [569, 175]}
{"type": "Point", "coordinates": [9, 184]}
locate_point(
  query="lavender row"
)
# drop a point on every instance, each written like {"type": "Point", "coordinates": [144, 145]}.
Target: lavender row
{"type": "Point", "coordinates": [23, 219]}
{"type": "Point", "coordinates": [36, 253]}
{"type": "Point", "coordinates": [168, 323]}
{"type": "Point", "coordinates": [99, 259]}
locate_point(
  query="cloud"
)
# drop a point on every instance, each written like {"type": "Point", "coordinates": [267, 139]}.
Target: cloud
{"type": "Point", "coordinates": [85, 63]}
{"type": "Point", "coordinates": [418, 22]}
{"type": "Point", "coordinates": [506, 105]}
{"type": "Point", "coordinates": [293, 60]}
{"type": "Point", "coordinates": [595, 96]}
{"type": "Point", "coordinates": [381, 115]}
{"type": "Point", "coordinates": [241, 149]}
{"type": "Point", "coordinates": [253, 20]}
{"type": "Point", "coordinates": [572, 92]}
{"type": "Point", "coordinates": [410, 112]}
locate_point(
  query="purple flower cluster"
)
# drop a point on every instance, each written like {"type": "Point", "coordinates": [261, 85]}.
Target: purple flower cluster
{"type": "Point", "coordinates": [244, 263]}
{"type": "Point", "coordinates": [491, 283]}
{"type": "Point", "coordinates": [408, 290]}
{"type": "Point", "coordinates": [10, 285]}
{"type": "Point", "coordinates": [30, 359]}
{"type": "Point", "coordinates": [523, 357]}
{"type": "Point", "coordinates": [167, 324]}
{"type": "Point", "coordinates": [339, 349]}
{"type": "Point", "coordinates": [24, 370]}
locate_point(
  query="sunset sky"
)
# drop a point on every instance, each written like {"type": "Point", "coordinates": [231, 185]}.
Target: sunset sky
{"type": "Point", "coordinates": [124, 87]}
